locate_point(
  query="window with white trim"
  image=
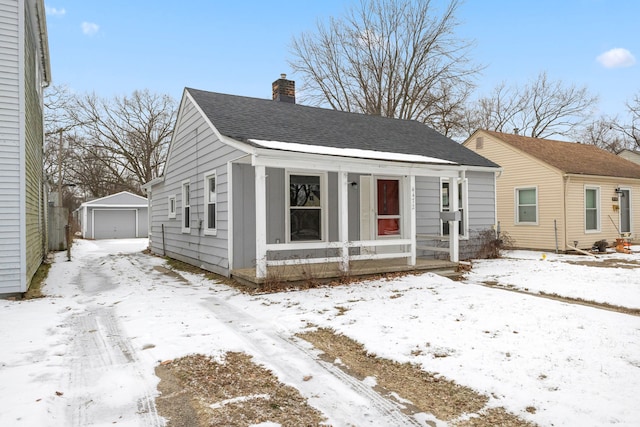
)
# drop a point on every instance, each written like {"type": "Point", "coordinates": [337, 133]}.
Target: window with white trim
{"type": "Point", "coordinates": [186, 207]}
{"type": "Point", "coordinates": [305, 207]}
{"type": "Point", "coordinates": [591, 209]}
{"type": "Point", "coordinates": [462, 204]}
{"type": "Point", "coordinates": [527, 205]}
{"type": "Point", "coordinates": [171, 203]}
{"type": "Point", "coordinates": [210, 203]}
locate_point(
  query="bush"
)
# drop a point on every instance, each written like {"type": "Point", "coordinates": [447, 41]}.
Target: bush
{"type": "Point", "coordinates": [491, 245]}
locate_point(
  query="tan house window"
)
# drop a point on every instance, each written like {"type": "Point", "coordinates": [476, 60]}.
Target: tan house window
{"type": "Point", "coordinates": [527, 205]}
{"type": "Point", "coordinates": [591, 214]}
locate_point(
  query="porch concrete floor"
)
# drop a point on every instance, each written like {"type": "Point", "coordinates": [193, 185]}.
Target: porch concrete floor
{"type": "Point", "coordinates": [328, 271]}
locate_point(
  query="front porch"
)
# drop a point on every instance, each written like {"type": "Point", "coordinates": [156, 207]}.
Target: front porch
{"type": "Point", "coordinates": [325, 272]}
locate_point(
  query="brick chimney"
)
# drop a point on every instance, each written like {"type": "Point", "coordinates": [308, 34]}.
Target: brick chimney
{"type": "Point", "coordinates": [284, 90]}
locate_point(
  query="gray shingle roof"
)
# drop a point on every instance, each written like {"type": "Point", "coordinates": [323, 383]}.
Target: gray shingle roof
{"type": "Point", "coordinates": [244, 118]}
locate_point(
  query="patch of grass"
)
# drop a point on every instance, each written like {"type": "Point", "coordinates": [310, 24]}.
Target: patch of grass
{"type": "Point", "coordinates": [35, 288]}
{"type": "Point", "coordinates": [235, 392]}
{"type": "Point", "coordinates": [183, 266]}
{"type": "Point", "coordinates": [428, 392]}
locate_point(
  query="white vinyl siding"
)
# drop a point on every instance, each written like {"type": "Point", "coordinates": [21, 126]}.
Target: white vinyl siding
{"type": "Point", "coordinates": [591, 209]}
{"type": "Point", "coordinates": [22, 198]}
{"type": "Point", "coordinates": [12, 254]}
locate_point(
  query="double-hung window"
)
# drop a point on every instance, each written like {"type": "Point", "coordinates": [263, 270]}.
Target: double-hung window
{"type": "Point", "coordinates": [591, 205]}
{"type": "Point", "coordinates": [211, 203]}
{"type": "Point", "coordinates": [186, 207]}
{"type": "Point", "coordinates": [527, 206]}
{"type": "Point", "coordinates": [305, 207]}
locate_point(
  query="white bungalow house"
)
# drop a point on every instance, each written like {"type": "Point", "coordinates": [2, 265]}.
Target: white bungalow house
{"type": "Point", "coordinates": [251, 185]}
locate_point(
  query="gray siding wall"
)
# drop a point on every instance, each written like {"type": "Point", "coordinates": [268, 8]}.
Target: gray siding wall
{"type": "Point", "coordinates": [195, 151]}
{"type": "Point", "coordinates": [244, 248]}
{"type": "Point", "coordinates": [481, 210]}
{"type": "Point", "coordinates": [11, 199]}
{"type": "Point", "coordinates": [276, 206]}
{"type": "Point", "coordinates": [244, 204]}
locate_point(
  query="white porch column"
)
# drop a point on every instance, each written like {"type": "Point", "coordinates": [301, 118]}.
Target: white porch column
{"type": "Point", "coordinates": [261, 222]}
{"type": "Point", "coordinates": [343, 219]}
{"type": "Point", "coordinates": [454, 235]}
{"type": "Point", "coordinates": [411, 211]}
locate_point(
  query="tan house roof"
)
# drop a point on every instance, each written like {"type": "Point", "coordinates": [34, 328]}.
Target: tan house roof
{"type": "Point", "coordinates": [571, 157]}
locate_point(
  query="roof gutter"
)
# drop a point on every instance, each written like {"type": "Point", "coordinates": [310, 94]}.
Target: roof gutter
{"type": "Point", "coordinates": [44, 43]}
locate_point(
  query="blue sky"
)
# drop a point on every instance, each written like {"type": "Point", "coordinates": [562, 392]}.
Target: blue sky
{"type": "Point", "coordinates": [239, 47]}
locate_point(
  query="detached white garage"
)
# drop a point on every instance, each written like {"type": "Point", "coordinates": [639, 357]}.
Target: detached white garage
{"type": "Point", "coordinates": [119, 216]}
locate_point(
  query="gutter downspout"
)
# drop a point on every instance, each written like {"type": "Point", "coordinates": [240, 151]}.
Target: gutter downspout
{"type": "Point", "coordinates": [567, 179]}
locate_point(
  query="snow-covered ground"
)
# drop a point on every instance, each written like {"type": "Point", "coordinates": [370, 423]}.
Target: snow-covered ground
{"type": "Point", "coordinates": [85, 355]}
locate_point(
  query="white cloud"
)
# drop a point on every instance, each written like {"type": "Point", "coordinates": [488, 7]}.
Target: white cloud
{"type": "Point", "coordinates": [90, 28]}
{"type": "Point", "coordinates": [616, 58]}
{"type": "Point", "coordinates": [55, 12]}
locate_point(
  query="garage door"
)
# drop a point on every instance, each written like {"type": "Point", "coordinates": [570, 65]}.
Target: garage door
{"type": "Point", "coordinates": [114, 224]}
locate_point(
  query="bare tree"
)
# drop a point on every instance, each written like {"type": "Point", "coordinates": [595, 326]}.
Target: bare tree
{"type": "Point", "coordinates": [58, 126]}
{"type": "Point", "coordinates": [391, 58]}
{"type": "Point", "coordinates": [603, 133]}
{"type": "Point", "coordinates": [128, 136]}
{"type": "Point", "coordinates": [541, 109]}
{"type": "Point", "coordinates": [631, 130]}
{"type": "Point", "coordinates": [498, 111]}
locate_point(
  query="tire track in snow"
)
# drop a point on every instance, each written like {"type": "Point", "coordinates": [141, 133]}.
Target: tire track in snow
{"type": "Point", "coordinates": [106, 383]}
{"type": "Point", "coordinates": [345, 400]}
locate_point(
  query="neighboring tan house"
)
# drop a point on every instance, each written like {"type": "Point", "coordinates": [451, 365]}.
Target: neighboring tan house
{"type": "Point", "coordinates": [552, 194]}
{"type": "Point", "coordinates": [24, 73]}
{"type": "Point", "coordinates": [119, 216]}
{"type": "Point", "coordinates": [258, 184]}
{"type": "Point", "coordinates": [632, 155]}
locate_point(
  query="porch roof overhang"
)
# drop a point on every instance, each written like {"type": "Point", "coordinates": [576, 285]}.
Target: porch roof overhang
{"type": "Point", "coordinates": [309, 157]}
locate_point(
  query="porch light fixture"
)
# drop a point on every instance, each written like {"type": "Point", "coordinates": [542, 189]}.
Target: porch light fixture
{"type": "Point", "coordinates": [354, 184]}
{"type": "Point", "coordinates": [619, 191]}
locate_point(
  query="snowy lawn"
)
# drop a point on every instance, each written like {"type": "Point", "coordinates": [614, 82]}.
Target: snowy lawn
{"type": "Point", "coordinates": [553, 363]}
{"type": "Point", "coordinates": [610, 278]}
